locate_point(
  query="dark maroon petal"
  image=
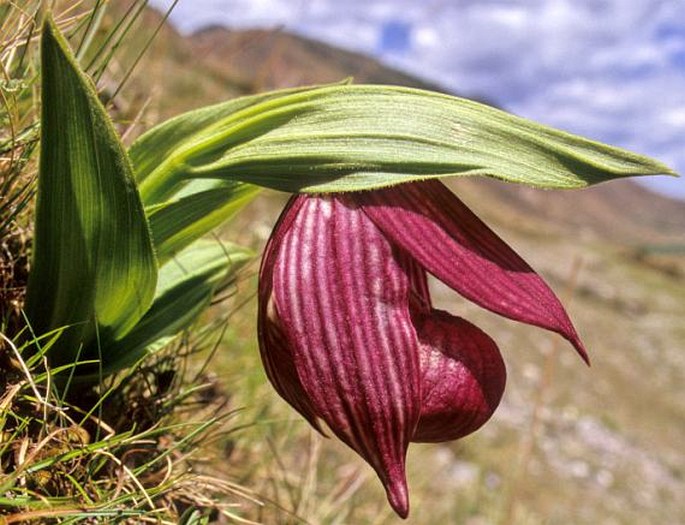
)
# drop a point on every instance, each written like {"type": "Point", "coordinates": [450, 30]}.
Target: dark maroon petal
{"type": "Point", "coordinates": [274, 348]}
{"type": "Point", "coordinates": [430, 223]}
{"type": "Point", "coordinates": [279, 365]}
{"type": "Point", "coordinates": [462, 377]}
{"type": "Point", "coordinates": [343, 301]}
{"type": "Point", "coordinates": [420, 298]}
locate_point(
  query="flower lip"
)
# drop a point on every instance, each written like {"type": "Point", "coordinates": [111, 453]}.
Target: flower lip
{"type": "Point", "coordinates": [462, 377]}
{"type": "Point", "coordinates": [398, 496]}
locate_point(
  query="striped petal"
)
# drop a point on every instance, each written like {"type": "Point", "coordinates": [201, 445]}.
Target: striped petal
{"type": "Point", "coordinates": [419, 298]}
{"type": "Point", "coordinates": [343, 302]}
{"type": "Point", "coordinates": [430, 223]}
{"type": "Point", "coordinates": [462, 377]}
{"type": "Point", "coordinates": [276, 353]}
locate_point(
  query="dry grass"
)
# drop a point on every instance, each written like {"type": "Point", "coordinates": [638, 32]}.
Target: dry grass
{"type": "Point", "coordinates": [129, 450]}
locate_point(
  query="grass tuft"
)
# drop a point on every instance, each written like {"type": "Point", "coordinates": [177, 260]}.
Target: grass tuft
{"type": "Point", "coordinates": [133, 448]}
{"type": "Point", "coordinates": [130, 448]}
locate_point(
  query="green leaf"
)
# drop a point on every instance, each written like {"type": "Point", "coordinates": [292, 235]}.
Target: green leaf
{"type": "Point", "coordinates": [186, 286]}
{"type": "Point", "coordinates": [342, 138]}
{"type": "Point", "coordinates": [192, 214]}
{"type": "Point", "coordinates": [157, 153]}
{"type": "Point", "coordinates": [93, 265]}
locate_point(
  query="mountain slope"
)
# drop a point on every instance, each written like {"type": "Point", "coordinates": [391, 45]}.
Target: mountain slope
{"type": "Point", "coordinates": [272, 59]}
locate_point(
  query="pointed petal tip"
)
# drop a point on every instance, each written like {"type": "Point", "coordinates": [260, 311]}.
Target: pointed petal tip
{"type": "Point", "coordinates": [579, 347]}
{"type": "Point", "coordinates": [583, 355]}
{"type": "Point", "coordinates": [398, 496]}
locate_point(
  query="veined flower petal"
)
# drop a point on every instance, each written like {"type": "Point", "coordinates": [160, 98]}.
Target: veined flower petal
{"type": "Point", "coordinates": [275, 351]}
{"type": "Point", "coordinates": [462, 377]}
{"type": "Point", "coordinates": [344, 304]}
{"type": "Point", "coordinates": [279, 365]}
{"type": "Point", "coordinates": [433, 226]}
{"type": "Point", "coordinates": [420, 299]}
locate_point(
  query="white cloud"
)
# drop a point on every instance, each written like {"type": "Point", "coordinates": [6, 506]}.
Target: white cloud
{"type": "Point", "coordinates": [610, 69]}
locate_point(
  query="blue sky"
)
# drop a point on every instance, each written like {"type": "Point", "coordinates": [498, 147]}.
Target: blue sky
{"type": "Point", "coordinates": [612, 70]}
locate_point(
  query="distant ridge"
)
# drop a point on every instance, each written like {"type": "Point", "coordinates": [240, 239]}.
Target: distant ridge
{"type": "Point", "coordinates": [273, 58]}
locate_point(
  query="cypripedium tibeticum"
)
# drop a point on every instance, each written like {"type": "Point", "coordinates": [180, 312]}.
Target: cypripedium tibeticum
{"type": "Point", "coordinates": [348, 334]}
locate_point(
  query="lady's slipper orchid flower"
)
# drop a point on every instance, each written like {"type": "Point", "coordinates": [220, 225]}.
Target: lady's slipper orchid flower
{"type": "Point", "coordinates": [348, 334]}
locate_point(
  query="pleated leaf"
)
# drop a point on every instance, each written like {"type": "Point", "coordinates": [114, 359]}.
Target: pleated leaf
{"type": "Point", "coordinates": [93, 261]}
{"type": "Point", "coordinates": [185, 219]}
{"type": "Point", "coordinates": [347, 137]}
{"type": "Point", "coordinates": [185, 288]}
{"type": "Point", "coordinates": [159, 155]}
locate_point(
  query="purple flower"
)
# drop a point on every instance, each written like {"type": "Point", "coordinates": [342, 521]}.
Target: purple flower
{"type": "Point", "coordinates": [347, 332]}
